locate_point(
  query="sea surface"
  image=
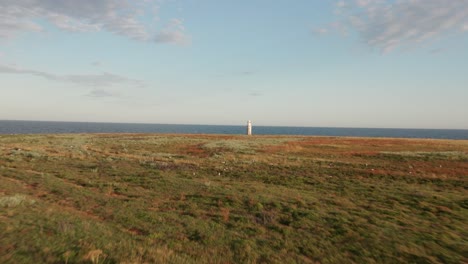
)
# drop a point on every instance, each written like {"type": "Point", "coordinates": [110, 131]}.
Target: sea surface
{"type": "Point", "coordinates": [42, 127]}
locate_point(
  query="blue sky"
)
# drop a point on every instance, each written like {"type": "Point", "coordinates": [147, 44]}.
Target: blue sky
{"type": "Point", "coordinates": [354, 63]}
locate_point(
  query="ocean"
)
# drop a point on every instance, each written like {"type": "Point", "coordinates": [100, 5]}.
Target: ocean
{"type": "Point", "coordinates": [43, 127]}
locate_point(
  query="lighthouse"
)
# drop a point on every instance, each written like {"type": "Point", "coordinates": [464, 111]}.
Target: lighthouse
{"type": "Point", "coordinates": [249, 128]}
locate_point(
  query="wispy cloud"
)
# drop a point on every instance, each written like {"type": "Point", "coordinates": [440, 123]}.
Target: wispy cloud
{"type": "Point", "coordinates": [13, 69]}
{"type": "Point", "coordinates": [96, 63]}
{"type": "Point", "coordinates": [173, 33]}
{"type": "Point", "coordinates": [102, 79]}
{"type": "Point", "coordinates": [255, 94]}
{"type": "Point", "coordinates": [320, 31]}
{"type": "Point", "coordinates": [390, 24]}
{"type": "Point", "coordinates": [90, 80]}
{"type": "Point", "coordinates": [100, 93]}
{"type": "Point", "coordinates": [247, 72]}
{"type": "Point", "coordinates": [436, 51]}
{"type": "Point", "coordinates": [121, 17]}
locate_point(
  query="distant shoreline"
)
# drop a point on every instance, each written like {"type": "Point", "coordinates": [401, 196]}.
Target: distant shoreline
{"type": "Point", "coordinates": [57, 127]}
{"type": "Point", "coordinates": [177, 124]}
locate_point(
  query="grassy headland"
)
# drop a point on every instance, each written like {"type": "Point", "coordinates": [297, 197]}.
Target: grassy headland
{"type": "Point", "coordinates": [136, 198]}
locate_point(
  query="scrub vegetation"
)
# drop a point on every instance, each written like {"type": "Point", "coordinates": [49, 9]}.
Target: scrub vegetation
{"type": "Point", "coordinates": [137, 198]}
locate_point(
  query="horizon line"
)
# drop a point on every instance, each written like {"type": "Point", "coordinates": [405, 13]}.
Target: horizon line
{"type": "Point", "coordinates": [238, 125]}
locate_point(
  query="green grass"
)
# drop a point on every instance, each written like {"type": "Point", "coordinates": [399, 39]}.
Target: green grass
{"type": "Point", "coordinates": [134, 198]}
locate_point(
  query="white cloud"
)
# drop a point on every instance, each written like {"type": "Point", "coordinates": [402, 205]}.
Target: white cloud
{"type": "Point", "coordinates": [121, 17]}
{"type": "Point", "coordinates": [174, 37]}
{"type": "Point", "coordinates": [390, 24]}
{"type": "Point", "coordinates": [173, 33]}
{"type": "Point", "coordinates": [11, 23]}
{"type": "Point", "coordinates": [89, 80]}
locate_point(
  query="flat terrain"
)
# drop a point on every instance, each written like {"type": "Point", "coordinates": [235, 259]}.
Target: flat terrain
{"type": "Point", "coordinates": [135, 198]}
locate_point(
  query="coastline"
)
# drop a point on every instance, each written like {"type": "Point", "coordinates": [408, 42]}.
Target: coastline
{"type": "Point", "coordinates": [40, 127]}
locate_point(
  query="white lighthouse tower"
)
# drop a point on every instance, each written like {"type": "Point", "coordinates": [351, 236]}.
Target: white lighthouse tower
{"type": "Point", "coordinates": [249, 128]}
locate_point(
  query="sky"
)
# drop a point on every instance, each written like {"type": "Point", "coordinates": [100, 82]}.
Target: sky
{"type": "Point", "coordinates": [319, 63]}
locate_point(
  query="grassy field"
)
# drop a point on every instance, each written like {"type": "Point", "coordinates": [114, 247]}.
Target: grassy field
{"type": "Point", "coordinates": [134, 198]}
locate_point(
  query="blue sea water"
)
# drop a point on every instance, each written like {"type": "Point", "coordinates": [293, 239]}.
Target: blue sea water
{"type": "Point", "coordinates": [42, 127]}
